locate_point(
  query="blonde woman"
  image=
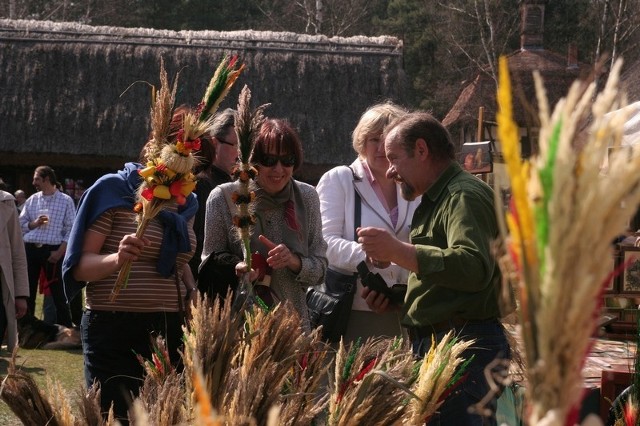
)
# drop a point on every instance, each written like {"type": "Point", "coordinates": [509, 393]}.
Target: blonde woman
{"type": "Point", "coordinates": [382, 206]}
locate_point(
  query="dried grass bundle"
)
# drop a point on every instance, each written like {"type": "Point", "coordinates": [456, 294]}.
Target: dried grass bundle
{"type": "Point", "coordinates": [303, 395]}
{"type": "Point", "coordinates": [162, 103]}
{"type": "Point", "coordinates": [138, 415]}
{"type": "Point", "coordinates": [168, 176]}
{"type": "Point", "coordinates": [203, 412]}
{"type": "Point", "coordinates": [564, 214]}
{"type": "Point", "coordinates": [21, 393]}
{"type": "Point", "coordinates": [164, 402]}
{"type": "Point", "coordinates": [440, 372]}
{"type": "Point", "coordinates": [211, 342]}
{"type": "Point", "coordinates": [89, 406]}
{"type": "Point", "coordinates": [371, 383]}
{"type": "Point", "coordinates": [258, 367]}
{"type": "Point", "coordinates": [60, 403]}
{"type": "Point", "coordinates": [162, 394]}
{"type": "Point", "coordinates": [271, 359]}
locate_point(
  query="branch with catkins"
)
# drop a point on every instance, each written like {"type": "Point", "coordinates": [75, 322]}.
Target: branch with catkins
{"type": "Point", "coordinates": [247, 123]}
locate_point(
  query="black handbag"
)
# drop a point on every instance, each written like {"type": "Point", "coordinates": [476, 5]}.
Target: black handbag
{"type": "Point", "coordinates": [330, 303]}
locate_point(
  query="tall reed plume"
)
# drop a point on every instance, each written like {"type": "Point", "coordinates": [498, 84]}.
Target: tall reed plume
{"type": "Point", "coordinates": [563, 216]}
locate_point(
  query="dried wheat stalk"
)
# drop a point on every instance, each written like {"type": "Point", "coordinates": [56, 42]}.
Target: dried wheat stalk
{"type": "Point", "coordinates": [88, 403]}
{"type": "Point", "coordinates": [60, 403]}
{"type": "Point", "coordinates": [269, 363]}
{"type": "Point", "coordinates": [564, 215]}
{"type": "Point", "coordinates": [163, 400]}
{"type": "Point", "coordinates": [21, 393]}
{"type": "Point", "coordinates": [211, 342]}
{"type": "Point", "coordinates": [439, 373]}
{"type": "Point", "coordinates": [371, 383]}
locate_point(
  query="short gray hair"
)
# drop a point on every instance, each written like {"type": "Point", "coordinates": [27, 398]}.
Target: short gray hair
{"type": "Point", "coordinates": [222, 122]}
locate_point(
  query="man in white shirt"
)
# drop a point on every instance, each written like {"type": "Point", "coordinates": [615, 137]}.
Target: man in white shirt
{"type": "Point", "coordinates": [46, 220]}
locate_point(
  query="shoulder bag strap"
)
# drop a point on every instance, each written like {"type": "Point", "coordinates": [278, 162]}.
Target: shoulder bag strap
{"type": "Point", "coordinates": [357, 211]}
{"type": "Point", "coordinates": [357, 215]}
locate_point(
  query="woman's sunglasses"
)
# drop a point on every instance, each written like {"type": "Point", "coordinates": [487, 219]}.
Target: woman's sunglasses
{"type": "Point", "coordinates": [272, 160]}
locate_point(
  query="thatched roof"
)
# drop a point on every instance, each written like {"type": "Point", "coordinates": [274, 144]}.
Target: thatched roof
{"type": "Point", "coordinates": [553, 68]}
{"type": "Point", "coordinates": [630, 79]}
{"type": "Point", "coordinates": [64, 84]}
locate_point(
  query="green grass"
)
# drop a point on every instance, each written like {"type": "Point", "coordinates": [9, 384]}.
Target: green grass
{"type": "Point", "coordinates": [65, 366]}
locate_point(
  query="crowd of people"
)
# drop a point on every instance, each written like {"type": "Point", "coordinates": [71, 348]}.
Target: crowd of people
{"type": "Point", "coordinates": [425, 224]}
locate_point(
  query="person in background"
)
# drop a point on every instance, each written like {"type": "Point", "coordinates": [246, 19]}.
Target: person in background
{"type": "Point", "coordinates": [160, 285]}
{"type": "Point", "coordinates": [469, 162]}
{"type": "Point", "coordinates": [382, 206]}
{"type": "Point", "coordinates": [454, 284]}
{"type": "Point", "coordinates": [46, 220]}
{"type": "Point", "coordinates": [14, 281]}
{"type": "Point", "coordinates": [21, 197]}
{"type": "Point", "coordinates": [217, 158]}
{"type": "Point", "coordinates": [287, 235]}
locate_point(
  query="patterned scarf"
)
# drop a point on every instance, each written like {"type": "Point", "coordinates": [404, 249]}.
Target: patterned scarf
{"type": "Point", "coordinates": [290, 202]}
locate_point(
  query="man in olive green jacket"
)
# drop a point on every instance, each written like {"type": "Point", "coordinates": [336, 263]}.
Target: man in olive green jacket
{"type": "Point", "coordinates": [454, 281]}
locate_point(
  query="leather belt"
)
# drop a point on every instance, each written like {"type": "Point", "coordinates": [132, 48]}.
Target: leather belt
{"type": "Point", "coordinates": [40, 245]}
{"type": "Point", "coordinates": [418, 333]}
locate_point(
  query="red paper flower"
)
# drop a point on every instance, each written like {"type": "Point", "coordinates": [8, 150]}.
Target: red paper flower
{"type": "Point", "coordinates": [147, 193]}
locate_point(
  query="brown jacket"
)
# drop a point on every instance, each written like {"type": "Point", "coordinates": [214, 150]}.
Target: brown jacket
{"type": "Point", "coordinates": [13, 264]}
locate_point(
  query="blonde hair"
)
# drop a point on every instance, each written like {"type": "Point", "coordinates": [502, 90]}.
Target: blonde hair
{"type": "Point", "coordinates": [373, 121]}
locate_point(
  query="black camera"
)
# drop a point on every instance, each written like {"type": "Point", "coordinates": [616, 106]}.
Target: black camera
{"type": "Point", "coordinates": [376, 283]}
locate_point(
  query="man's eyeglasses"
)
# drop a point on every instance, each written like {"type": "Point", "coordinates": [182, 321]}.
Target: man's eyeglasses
{"type": "Point", "coordinates": [272, 160]}
{"type": "Point", "coordinates": [222, 141]}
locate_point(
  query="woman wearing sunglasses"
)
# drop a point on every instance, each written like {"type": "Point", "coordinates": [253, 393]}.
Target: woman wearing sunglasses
{"type": "Point", "coordinates": [287, 237]}
{"type": "Point", "coordinates": [381, 206]}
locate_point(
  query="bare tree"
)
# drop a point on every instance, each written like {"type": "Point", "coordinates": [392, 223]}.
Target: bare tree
{"type": "Point", "coordinates": [618, 30]}
{"type": "Point", "coordinates": [480, 30]}
{"type": "Point", "coordinates": [329, 17]}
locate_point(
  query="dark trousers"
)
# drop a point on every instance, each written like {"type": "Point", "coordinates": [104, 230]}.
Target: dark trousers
{"type": "Point", "coordinates": [37, 255]}
{"type": "Point", "coordinates": [491, 344]}
{"type": "Point", "coordinates": [110, 342]}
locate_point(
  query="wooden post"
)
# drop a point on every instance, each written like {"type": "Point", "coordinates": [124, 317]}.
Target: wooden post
{"type": "Point", "coordinates": [480, 134]}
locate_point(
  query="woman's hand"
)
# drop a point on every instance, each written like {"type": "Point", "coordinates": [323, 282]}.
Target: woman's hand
{"type": "Point", "coordinates": [242, 268]}
{"type": "Point", "coordinates": [280, 256]}
{"type": "Point", "coordinates": [130, 248]}
{"type": "Point", "coordinates": [94, 265]}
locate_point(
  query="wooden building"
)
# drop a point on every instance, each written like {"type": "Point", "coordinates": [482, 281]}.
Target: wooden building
{"type": "Point", "coordinates": [74, 96]}
{"type": "Point", "coordinates": [558, 71]}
